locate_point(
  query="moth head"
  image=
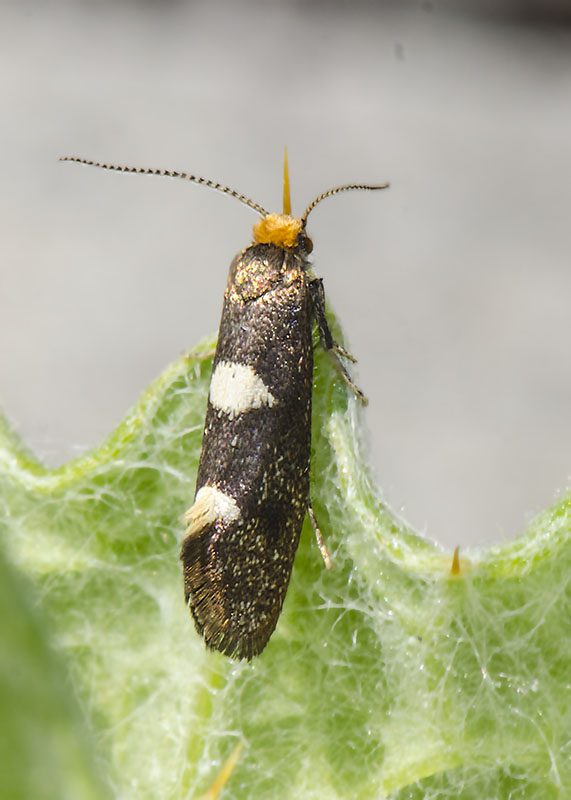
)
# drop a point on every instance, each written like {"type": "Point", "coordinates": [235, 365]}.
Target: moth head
{"type": "Point", "coordinates": [280, 229]}
{"type": "Point", "coordinates": [283, 229]}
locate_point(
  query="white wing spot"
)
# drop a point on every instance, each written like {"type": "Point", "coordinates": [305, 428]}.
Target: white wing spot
{"type": "Point", "coordinates": [235, 388]}
{"type": "Point", "coordinates": [209, 505]}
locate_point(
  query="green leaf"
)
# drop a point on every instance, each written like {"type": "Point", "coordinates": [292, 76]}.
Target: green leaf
{"type": "Point", "coordinates": [387, 676]}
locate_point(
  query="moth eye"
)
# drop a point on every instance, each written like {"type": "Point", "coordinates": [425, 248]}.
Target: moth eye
{"type": "Point", "coordinates": [305, 243]}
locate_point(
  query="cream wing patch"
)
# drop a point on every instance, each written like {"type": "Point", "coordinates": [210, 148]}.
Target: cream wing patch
{"type": "Point", "coordinates": [236, 388]}
{"type": "Point", "coordinates": [209, 505]}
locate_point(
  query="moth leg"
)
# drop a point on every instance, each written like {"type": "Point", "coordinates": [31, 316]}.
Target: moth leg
{"type": "Point", "coordinates": [335, 350]}
{"type": "Point", "coordinates": [319, 536]}
{"type": "Point", "coordinates": [345, 353]}
{"type": "Point", "coordinates": [347, 378]}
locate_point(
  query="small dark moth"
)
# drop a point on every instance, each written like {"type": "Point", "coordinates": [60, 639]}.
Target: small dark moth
{"type": "Point", "coordinates": [252, 488]}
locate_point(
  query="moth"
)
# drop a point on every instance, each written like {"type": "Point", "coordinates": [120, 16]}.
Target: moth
{"type": "Point", "coordinates": [252, 488]}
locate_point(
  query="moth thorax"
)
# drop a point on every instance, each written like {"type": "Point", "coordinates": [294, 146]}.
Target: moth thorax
{"type": "Point", "coordinates": [279, 229]}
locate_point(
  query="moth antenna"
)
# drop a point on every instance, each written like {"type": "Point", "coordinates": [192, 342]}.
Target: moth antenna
{"type": "Point", "coordinates": [167, 173]}
{"type": "Point", "coordinates": [349, 188]}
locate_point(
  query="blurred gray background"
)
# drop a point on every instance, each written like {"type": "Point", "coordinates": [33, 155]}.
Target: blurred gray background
{"type": "Point", "coordinates": [453, 287]}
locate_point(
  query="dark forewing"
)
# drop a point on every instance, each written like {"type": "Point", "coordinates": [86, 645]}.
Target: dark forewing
{"type": "Point", "coordinates": [255, 454]}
